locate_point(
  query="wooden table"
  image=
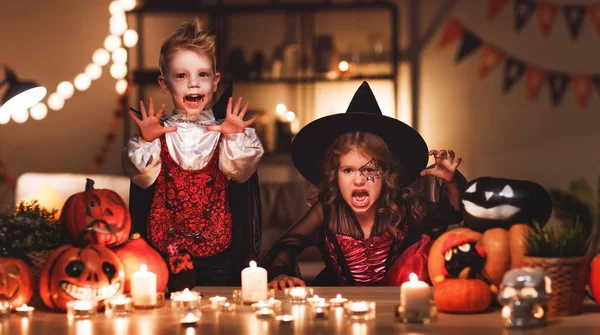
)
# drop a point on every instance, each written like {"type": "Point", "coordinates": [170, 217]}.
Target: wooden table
{"type": "Point", "coordinates": [243, 321]}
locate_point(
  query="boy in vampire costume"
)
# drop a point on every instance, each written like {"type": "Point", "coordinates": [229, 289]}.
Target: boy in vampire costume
{"type": "Point", "coordinates": [223, 268]}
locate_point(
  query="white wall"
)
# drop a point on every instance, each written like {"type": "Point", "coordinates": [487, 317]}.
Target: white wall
{"type": "Point", "coordinates": [498, 134]}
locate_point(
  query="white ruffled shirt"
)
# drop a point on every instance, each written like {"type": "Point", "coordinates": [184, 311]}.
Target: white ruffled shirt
{"type": "Point", "coordinates": [191, 147]}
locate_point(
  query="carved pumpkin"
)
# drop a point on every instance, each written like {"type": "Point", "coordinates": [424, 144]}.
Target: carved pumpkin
{"type": "Point", "coordinates": [70, 273]}
{"type": "Point", "coordinates": [495, 202]}
{"type": "Point", "coordinates": [595, 278]}
{"type": "Point", "coordinates": [462, 295]}
{"type": "Point", "coordinates": [16, 279]}
{"type": "Point", "coordinates": [102, 210]}
{"type": "Point", "coordinates": [500, 250]}
{"type": "Point", "coordinates": [136, 252]}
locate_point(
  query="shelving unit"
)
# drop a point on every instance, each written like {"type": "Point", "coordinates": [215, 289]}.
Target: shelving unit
{"type": "Point", "coordinates": [220, 16]}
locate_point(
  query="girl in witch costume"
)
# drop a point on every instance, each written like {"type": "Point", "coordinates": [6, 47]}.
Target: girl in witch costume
{"type": "Point", "coordinates": [182, 166]}
{"type": "Point", "coordinates": [378, 209]}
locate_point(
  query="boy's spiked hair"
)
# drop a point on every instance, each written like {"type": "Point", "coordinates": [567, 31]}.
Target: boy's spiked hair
{"type": "Point", "coordinates": [189, 36]}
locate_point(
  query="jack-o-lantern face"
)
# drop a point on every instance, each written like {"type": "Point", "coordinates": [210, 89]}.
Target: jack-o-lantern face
{"type": "Point", "coordinates": [102, 212]}
{"type": "Point", "coordinates": [16, 281]}
{"type": "Point", "coordinates": [70, 273]}
{"type": "Point", "coordinates": [495, 202]}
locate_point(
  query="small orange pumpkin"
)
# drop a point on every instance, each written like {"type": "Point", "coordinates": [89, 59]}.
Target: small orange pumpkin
{"type": "Point", "coordinates": [90, 272]}
{"type": "Point", "coordinates": [17, 285]}
{"type": "Point", "coordinates": [136, 252]}
{"type": "Point", "coordinates": [102, 210]}
{"type": "Point", "coordinates": [504, 250]}
{"type": "Point", "coordinates": [457, 295]}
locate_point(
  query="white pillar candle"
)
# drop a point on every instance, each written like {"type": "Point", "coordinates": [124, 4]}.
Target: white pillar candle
{"type": "Point", "coordinates": [143, 287]}
{"type": "Point", "coordinates": [415, 294]}
{"type": "Point", "coordinates": [254, 283]}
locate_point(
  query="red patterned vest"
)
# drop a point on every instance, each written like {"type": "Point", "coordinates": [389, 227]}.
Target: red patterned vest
{"type": "Point", "coordinates": [190, 209]}
{"type": "Point", "coordinates": [367, 259]}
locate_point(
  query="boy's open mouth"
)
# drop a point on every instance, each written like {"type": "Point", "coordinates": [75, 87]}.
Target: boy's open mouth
{"type": "Point", "coordinates": [360, 198]}
{"type": "Point", "coordinates": [193, 101]}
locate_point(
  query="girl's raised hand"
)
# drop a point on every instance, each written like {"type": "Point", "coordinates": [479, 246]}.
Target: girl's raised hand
{"type": "Point", "coordinates": [445, 166]}
{"type": "Point", "coordinates": [234, 119]}
{"type": "Point", "coordinates": [149, 125]}
{"type": "Point", "coordinates": [283, 281]}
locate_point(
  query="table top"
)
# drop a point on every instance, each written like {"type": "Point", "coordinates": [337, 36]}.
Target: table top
{"type": "Point", "coordinates": [243, 321]}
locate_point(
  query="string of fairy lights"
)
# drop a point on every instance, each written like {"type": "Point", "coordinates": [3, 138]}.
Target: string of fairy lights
{"type": "Point", "coordinates": [119, 38]}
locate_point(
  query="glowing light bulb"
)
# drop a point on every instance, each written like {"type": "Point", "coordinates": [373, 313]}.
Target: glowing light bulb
{"type": "Point", "coordinates": [280, 109]}
{"type": "Point", "coordinates": [56, 102]}
{"type": "Point", "coordinates": [101, 57]}
{"type": "Point", "coordinates": [4, 117]}
{"type": "Point", "coordinates": [82, 82]}
{"type": "Point", "coordinates": [119, 55]}
{"type": "Point", "coordinates": [38, 111]}
{"type": "Point", "coordinates": [112, 42]}
{"type": "Point", "coordinates": [127, 5]}
{"type": "Point", "coordinates": [121, 86]}
{"type": "Point", "coordinates": [118, 24]}
{"type": "Point", "coordinates": [290, 116]}
{"type": "Point", "coordinates": [344, 66]}
{"type": "Point", "coordinates": [65, 89]}
{"type": "Point", "coordinates": [20, 116]}
{"type": "Point", "coordinates": [115, 8]}
{"type": "Point", "coordinates": [118, 70]}
{"type": "Point", "coordinates": [130, 38]}
{"type": "Point", "coordinates": [94, 71]}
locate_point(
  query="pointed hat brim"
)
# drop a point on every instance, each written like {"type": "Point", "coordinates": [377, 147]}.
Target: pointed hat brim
{"type": "Point", "coordinates": [406, 144]}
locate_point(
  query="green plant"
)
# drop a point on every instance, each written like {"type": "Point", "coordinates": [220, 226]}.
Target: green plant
{"type": "Point", "coordinates": [30, 227]}
{"type": "Point", "coordinates": [554, 241]}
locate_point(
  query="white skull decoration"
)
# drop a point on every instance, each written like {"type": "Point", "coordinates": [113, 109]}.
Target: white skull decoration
{"type": "Point", "coordinates": [525, 294]}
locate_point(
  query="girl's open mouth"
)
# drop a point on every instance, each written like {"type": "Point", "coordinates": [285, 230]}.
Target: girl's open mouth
{"type": "Point", "coordinates": [360, 198]}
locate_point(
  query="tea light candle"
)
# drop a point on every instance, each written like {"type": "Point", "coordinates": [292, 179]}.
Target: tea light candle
{"type": "Point", "coordinates": [321, 313]}
{"type": "Point", "coordinates": [228, 307]}
{"type": "Point", "coordinates": [285, 318]}
{"type": "Point", "coordinates": [415, 294]}
{"type": "Point", "coordinates": [189, 320]}
{"type": "Point", "coordinates": [120, 305]}
{"type": "Point", "coordinates": [5, 308]}
{"type": "Point", "coordinates": [254, 283]}
{"type": "Point", "coordinates": [360, 310]}
{"type": "Point", "coordinates": [298, 294]}
{"type": "Point", "coordinates": [217, 301]}
{"type": "Point", "coordinates": [24, 310]}
{"type": "Point", "coordinates": [315, 300]}
{"type": "Point", "coordinates": [264, 313]}
{"type": "Point", "coordinates": [143, 287]}
{"type": "Point", "coordinates": [338, 301]}
{"type": "Point", "coordinates": [81, 309]}
{"type": "Point", "coordinates": [185, 299]}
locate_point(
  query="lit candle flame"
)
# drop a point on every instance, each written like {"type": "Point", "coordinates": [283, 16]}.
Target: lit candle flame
{"type": "Point", "coordinates": [143, 268]}
{"type": "Point", "coordinates": [252, 264]}
{"type": "Point", "coordinates": [344, 66]}
{"type": "Point", "coordinates": [413, 277]}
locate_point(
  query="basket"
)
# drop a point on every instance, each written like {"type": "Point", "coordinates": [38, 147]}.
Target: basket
{"type": "Point", "coordinates": [569, 277]}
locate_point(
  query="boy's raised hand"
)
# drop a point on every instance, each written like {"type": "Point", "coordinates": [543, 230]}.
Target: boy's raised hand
{"type": "Point", "coordinates": [445, 166]}
{"type": "Point", "coordinates": [149, 124]}
{"type": "Point", "coordinates": [234, 119]}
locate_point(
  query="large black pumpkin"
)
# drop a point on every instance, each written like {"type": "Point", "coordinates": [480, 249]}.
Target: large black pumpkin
{"type": "Point", "coordinates": [496, 202]}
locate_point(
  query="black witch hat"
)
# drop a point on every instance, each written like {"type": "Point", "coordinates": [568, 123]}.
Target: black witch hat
{"type": "Point", "coordinates": [406, 144]}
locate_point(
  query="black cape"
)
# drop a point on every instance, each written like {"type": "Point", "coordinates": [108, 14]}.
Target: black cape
{"type": "Point", "coordinates": [245, 206]}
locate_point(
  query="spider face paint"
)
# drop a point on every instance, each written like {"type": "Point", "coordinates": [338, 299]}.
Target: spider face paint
{"type": "Point", "coordinates": [370, 170]}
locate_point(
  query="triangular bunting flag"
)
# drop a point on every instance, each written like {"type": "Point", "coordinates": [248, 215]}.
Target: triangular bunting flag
{"type": "Point", "coordinates": [490, 57]}
{"type": "Point", "coordinates": [557, 82]}
{"type": "Point", "coordinates": [523, 12]}
{"type": "Point", "coordinates": [594, 13]}
{"type": "Point", "coordinates": [596, 80]}
{"type": "Point", "coordinates": [469, 44]}
{"type": "Point", "coordinates": [574, 16]}
{"type": "Point", "coordinates": [494, 7]}
{"type": "Point", "coordinates": [535, 79]}
{"type": "Point", "coordinates": [513, 71]}
{"type": "Point", "coordinates": [452, 32]}
{"type": "Point", "coordinates": [546, 14]}
{"type": "Point", "coordinates": [582, 87]}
